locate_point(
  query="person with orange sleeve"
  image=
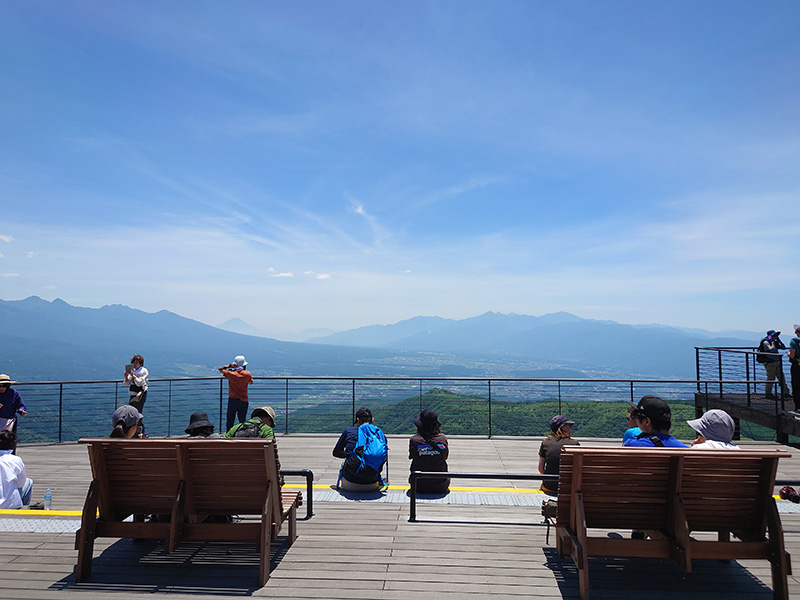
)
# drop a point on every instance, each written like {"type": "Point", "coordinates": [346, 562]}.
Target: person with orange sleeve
{"type": "Point", "coordinates": [238, 380]}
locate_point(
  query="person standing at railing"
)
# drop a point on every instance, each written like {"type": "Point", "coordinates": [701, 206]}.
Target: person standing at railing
{"type": "Point", "coordinates": [11, 405]}
{"type": "Point", "coordinates": [136, 378]}
{"type": "Point", "coordinates": [769, 355]}
{"type": "Point", "coordinates": [238, 380]}
{"type": "Point", "coordinates": [794, 357]}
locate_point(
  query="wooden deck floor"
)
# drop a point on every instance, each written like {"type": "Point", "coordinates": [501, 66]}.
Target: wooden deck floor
{"type": "Point", "coordinates": [353, 549]}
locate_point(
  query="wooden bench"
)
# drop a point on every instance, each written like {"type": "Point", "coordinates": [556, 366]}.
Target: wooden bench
{"type": "Point", "coordinates": [670, 493]}
{"type": "Point", "coordinates": [185, 481]}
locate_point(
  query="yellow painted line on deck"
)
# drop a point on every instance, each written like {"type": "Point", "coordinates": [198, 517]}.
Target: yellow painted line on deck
{"type": "Point", "coordinates": [24, 512]}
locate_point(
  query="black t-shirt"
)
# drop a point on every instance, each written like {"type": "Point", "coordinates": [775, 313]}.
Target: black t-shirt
{"type": "Point", "coordinates": [429, 455]}
{"type": "Point", "coordinates": [551, 451]}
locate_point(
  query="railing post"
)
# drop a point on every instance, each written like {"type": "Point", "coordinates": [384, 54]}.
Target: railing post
{"type": "Point", "coordinates": [354, 400]}
{"type": "Point", "coordinates": [420, 395]}
{"type": "Point", "coordinates": [60, 408]}
{"type": "Point", "coordinates": [490, 407]}
{"type": "Point", "coordinates": [719, 366]}
{"type": "Point", "coordinates": [413, 498]}
{"type": "Point", "coordinates": [220, 406]}
{"type": "Point", "coordinates": [286, 403]}
{"type": "Point", "coordinates": [559, 396]}
{"type": "Point", "coordinates": [632, 400]}
{"type": "Point", "coordinates": [747, 377]}
{"type": "Point", "coordinates": [169, 409]}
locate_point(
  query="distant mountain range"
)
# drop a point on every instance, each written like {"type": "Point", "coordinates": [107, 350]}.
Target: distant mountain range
{"type": "Point", "coordinates": [49, 341]}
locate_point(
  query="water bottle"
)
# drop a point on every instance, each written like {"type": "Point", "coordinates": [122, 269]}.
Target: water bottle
{"type": "Point", "coordinates": [48, 499]}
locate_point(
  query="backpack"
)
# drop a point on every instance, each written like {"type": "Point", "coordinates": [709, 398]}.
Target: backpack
{"type": "Point", "coordinates": [248, 430]}
{"type": "Point", "coordinates": [761, 357]}
{"type": "Point", "coordinates": [371, 447]}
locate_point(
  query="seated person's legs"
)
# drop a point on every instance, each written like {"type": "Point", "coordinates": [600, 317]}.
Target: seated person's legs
{"type": "Point", "coordinates": [25, 491]}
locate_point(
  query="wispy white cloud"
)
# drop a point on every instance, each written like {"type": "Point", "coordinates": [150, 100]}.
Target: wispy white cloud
{"type": "Point", "coordinates": [286, 274]}
{"type": "Point", "coordinates": [323, 276]}
{"type": "Point", "coordinates": [9, 275]}
{"type": "Point", "coordinates": [6, 238]}
{"type": "Point", "coordinates": [31, 254]}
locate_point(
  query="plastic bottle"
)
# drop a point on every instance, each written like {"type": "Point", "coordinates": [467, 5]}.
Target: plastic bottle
{"type": "Point", "coordinates": [48, 499]}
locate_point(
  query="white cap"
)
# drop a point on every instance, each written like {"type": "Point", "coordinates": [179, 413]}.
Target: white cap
{"type": "Point", "coordinates": [240, 361]}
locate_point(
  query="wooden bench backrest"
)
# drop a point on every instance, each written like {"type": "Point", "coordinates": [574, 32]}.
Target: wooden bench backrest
{"type": "Point", "coordinates": [627, 488]}
{"type": "Point", "coordinates": [230, 476]}
{"type": "Point", "coordinates": [221, 476]}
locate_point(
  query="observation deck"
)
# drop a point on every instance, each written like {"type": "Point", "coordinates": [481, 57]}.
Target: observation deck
{"type": "Point", "coordinates": [484, 540]}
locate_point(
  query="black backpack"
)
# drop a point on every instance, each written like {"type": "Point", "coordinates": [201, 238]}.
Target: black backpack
{"type": "Point", "coordinates": [248, 430]}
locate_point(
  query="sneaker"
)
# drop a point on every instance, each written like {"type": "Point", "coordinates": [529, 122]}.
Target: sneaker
{"type": "Point", "coordinates": [36, 506]}
{"type": "Point", "coordinates": [788, 493]}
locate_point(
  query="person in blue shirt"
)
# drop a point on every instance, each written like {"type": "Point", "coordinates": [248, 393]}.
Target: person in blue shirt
{"type": "Point", "coordinates": [633, 430]}
{"type": "Point", "coordinates": [654, 418]}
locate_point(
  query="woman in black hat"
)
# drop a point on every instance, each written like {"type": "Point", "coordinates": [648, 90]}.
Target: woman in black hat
{"type": "Point", "coordinates": [428, 451]}
{"type": "Point", "coordinates": [200, 426]}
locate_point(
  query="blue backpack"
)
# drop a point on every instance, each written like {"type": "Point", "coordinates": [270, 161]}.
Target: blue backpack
{"type": "Point", "coordinates": [371, 447]}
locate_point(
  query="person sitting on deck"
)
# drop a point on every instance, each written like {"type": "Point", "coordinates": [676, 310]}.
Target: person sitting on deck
{"type": "Point", "coordinates": [355, 476]}
{"type": "Point", "coordinates": [127, 423]}
{"type": "Point", "coordinates": [654, 418]}
{"type": "Point", "coordinates": [714, 431]}
{"type": "Point", "coordinates": [15, 486]}
{"type": "Point", "coordinates": [428, 451]}
{"type": "Point", "coordinates": [200, 426]}
{"type": "Point", "coordinates": [550, 451]}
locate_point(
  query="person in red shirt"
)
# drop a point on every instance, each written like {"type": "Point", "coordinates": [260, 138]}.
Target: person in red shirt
{"type": "Point", "coordinates": [238, 380]}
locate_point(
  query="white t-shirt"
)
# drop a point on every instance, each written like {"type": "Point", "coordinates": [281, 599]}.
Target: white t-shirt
{"type": "Point", "coordinates": [12, 477]}
{"type": "Point", "coordinates": [715, 445]}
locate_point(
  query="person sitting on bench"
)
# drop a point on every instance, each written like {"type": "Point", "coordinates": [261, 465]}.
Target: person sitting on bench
{"type": "Point", "coordinates": [655, 420]}
{"type": "Point", "coordinates": [15, 486]}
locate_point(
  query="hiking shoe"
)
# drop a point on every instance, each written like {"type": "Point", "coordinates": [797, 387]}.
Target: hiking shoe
{"type": "Point", "coordinates": [789, 493]}
{"type": "Point", "coordinates": [36, 506]}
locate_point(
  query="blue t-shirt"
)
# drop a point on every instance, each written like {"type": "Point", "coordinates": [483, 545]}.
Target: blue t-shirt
{"type": "Point", "coordinates": [645, 442]}
{"type": "Point", "coordinates": [631, 434]}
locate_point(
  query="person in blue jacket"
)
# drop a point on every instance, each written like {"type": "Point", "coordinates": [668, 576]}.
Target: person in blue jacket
{"type": "Point", "coordinates": [654, 418]}
{"type": "Point", "coordinates": [368, 479]}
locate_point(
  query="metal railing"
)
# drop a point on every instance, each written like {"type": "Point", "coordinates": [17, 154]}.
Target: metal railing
{"type": "Point", "coordinates": [68, 410]}
{"type": "Point", "coordinates": [738, 374]}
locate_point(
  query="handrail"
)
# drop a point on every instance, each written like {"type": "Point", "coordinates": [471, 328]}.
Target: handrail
{"type": "Point", "coordinates": [440, 474]}
{"type": "Point", "coordinates": [309, 476]}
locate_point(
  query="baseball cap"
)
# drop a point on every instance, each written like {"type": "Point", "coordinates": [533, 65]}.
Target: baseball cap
{"type": "Point", "coordinates": [558, 421]}
{"type": "Point", "coordinates": [127, 415]}
{"type": "Point", "coordinates": [654, 408]}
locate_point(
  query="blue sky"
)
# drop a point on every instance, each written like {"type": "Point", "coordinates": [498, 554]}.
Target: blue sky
{"type": "Point", "coordinates": [338, 164]}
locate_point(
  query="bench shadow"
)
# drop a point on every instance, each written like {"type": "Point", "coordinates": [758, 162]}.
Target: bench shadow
{"type": "Point", "coordinates": [371, 495]}
{"type": "Point", "coordinates": [640, 577]}
{"type": "Point", "coordinates": [143, 566]}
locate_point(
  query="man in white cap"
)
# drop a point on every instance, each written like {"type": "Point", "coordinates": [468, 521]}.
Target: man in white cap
{"type": "Point", "coordinates": [794, 358]}
{"type": "Point", "coordinates": [238, 380]}
{"type": "Point", "coordinates": [714, 431]}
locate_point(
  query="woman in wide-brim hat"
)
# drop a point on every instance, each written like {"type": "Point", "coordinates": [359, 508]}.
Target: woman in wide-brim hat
{"type": "Point", "coordinates": [428, 451]}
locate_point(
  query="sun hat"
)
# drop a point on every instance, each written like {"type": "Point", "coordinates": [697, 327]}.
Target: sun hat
{"type": "Point", "coordinates": [6, 380]}
{"type": "Point", "coordinates": [773, 332]}
{"type": "Point", "coordinates": [654, 408]}
{"type": "Point", "coordinates": [198, 420]}
{"type": "Point", "coordinates": [796, 327]}
{"type": "Point", "coordinates": [715, 425]}
{"type": "Point", "coordinates": [240, 361]}
{"type": "Point", "coordinates": [558, 421]}
{"type": "Point", "coordinates": [427, 420]}
{"type": "Point", "coordinates": [263, 410]}
{"type": "Point", "coordinates": [127, 415]}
